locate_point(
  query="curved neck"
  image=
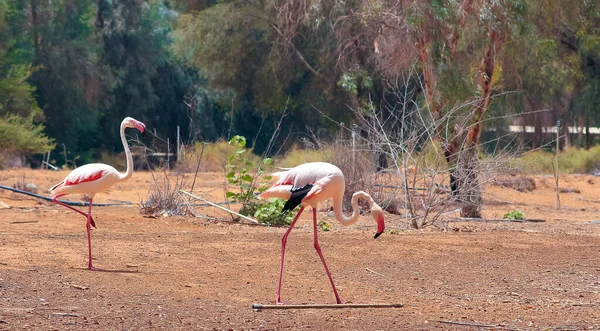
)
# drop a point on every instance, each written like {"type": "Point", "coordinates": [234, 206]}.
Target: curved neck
{"type": "Point", "coordinates": [129, 170]}
{"type": "Point", "coordinates": [338, 205]}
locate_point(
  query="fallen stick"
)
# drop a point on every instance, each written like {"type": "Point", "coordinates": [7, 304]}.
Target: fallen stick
{"type": "Point", "coordinates": [375, 272]}
{"type": "Point", "coordinates": [65, 314]}
{"type": "Point", "coordinates": [258, 306]}
{"type": "Point", "coordinates": [22, 222]}
{"type": "Point", "coordinates": [70, 203]}
{"type": "Point", "coordinates": [50, 165]}
{"type": "Point", "coordinates": [220, 207]}
{"type": "Point", "coordinates": [467, 219]}
{"type": "Point", "coordinates": [479, 325]}
{"type": "Point", "coordinates": [79, 287]}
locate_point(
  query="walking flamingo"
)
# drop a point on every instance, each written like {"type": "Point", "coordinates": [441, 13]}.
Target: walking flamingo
{"type": "Point", "coordinates": [309, 184]}
{"type": "Point", "coordinates": [95, 178]}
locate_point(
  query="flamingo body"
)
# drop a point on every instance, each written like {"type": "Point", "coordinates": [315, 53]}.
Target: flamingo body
{"type": "Point", "coordinates": [308, 184]}
{"type": "Point", "coordinates": [95, 178]}
{"type": "Point", "coordinates": [88, 179]}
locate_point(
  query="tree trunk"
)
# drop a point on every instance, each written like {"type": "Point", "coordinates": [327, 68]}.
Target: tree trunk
{"type": "Point", "coordinates": [579, 132]}
{"type": "Point", "coordinates": [588, 137]}
{"type": "Point", "coordinates": [35, 25]}
{"type": "Point", "coordinates": [565, 132]}
{"type": "Point", "coordinates": [468, 188]}
{"type": "Point", "coordinates": [467, 180]}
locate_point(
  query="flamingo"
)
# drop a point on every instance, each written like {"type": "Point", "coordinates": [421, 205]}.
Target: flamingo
{"type": "Point", "coordinates": [95, 178]}
{"type": "Point", "coordinates": [308, 184]}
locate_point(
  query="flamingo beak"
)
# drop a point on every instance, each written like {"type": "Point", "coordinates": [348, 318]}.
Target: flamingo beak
{"type": "Point", "coordinates": [142, 127]}
{"type": "Point", "coordinates": [380, 225]}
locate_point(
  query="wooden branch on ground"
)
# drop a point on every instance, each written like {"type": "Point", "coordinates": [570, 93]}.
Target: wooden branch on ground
{"type": "Point", "coordinates": [375, 272]}
{"type": "Point", "coordinates": [479, 325]}
{"type": "Point", "coordinates": [221, 207]}
{"type": "Point", "coordinates": [467, 219]}
{"type": "Point", "coordinates": [258, 306]}
{"type": "Point", "coordinates": [70, 203]}
{"type": "Point", "coordinates": [22, 222]}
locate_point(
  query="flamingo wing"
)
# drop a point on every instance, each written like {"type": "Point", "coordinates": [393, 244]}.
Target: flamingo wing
{"type": "Point", "coordinates": [90, 178]}
{"type": "Point", "coordinates": [302, 183]}
{"type": "Point", "coordinates": [304, 174]}
{"type": "Point", "coordinates": [86, 173]}
{"type": "Point", "coordinates": [296, 197]}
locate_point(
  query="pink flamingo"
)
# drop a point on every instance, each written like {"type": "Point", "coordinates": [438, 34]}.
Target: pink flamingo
{"type": "Point", "coordinates": [309, 184]}
{"type": "Point", "coordinates": [94, 178]}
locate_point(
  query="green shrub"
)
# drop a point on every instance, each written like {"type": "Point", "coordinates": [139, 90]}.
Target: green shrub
{"type": "Point", "coordinates": [514, 214]}
{"type": "Point", "coordinates": [247, 177]}
{"type": "Point", "coordinates": [570, 160]}
{"type": "Point", "coordinates": [19, 134]}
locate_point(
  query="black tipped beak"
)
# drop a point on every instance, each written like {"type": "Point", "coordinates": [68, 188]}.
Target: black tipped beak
{"type": "Point", "coordinates": [377, 234]}
{"type": "Point", "coordinates": [144, 133]}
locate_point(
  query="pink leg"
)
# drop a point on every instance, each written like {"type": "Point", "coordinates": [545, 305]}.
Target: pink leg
{"type": "Point", "coordinates": [87, 227]}
{"type": "Point", "coordinates": [318, 248]}
{"type": "Point", "coordinates": [283, 242]}
{"type": "Point", "coordinates": [55, 200]}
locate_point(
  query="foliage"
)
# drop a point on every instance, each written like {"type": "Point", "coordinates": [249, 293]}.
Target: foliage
{"type": "Point", "coordinates": [270, 212]}
{"type": "Point", "coordinates": [324, 226]}
{"type": "Point", "coordinates": [247, 178]}
{"type": "Point", "coordinates": [514, 214]}
{"type": "Point", "coordinates": [18, 134]}
{"type": "Point", "coordinates": [76, 68]}
{"type": "Point", "coordinates": [296, 156]}
{"type": "Point", "coordinates": [571, 160]}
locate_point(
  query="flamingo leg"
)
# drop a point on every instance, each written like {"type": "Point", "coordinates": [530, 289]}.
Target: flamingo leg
{"type": "Point", "coordinates": [89, 236]}
{"type": "Point", "coordinates": [318, 248]}
{"type": "Point", "coordinates": [283, 243]}
{"type": "Point", "coordinates": [55, 200]}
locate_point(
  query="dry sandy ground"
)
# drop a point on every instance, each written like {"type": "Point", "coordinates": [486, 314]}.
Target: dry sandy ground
{"type": "Point", "coordinates": [193, 274]}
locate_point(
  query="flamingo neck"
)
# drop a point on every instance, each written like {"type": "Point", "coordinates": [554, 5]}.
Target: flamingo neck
{"type": "Point", "coordinates": [129, 170]}
{"type": "Point", "coordinates": [338, 204]}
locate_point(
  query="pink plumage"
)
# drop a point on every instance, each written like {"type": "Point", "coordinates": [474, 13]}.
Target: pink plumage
{"type": "Point", "coordinates": [309, 184]}
{"type": "Point", "coordinates": [95, 178]}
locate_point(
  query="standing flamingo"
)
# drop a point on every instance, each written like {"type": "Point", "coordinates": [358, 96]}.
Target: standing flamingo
{"type": "Point", "coordinates": [94, 178]}
{"type": "Point", "coordinates": [309, 184]}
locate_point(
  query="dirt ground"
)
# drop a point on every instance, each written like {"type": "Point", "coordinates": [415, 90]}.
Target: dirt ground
{"type": "Point", "coordinates": [195, 274]}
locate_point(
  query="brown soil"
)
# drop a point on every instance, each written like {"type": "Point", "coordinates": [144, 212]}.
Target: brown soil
{"type": "Point", "coordinates": [194, 274]}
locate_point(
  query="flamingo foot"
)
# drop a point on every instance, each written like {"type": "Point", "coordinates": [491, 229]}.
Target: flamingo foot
{"type": "Point", "coordinates": [92, 222]}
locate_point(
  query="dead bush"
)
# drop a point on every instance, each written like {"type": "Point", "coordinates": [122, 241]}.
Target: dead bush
{"type": "Point", "coordinates": [358, 168]}
{"type": "Point", "coordinates": [23, 185]}
{"type": "Point", "coordinates": [164, 197]}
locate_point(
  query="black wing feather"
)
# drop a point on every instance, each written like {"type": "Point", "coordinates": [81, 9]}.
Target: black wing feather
{"type": "Point", "coordinates": [296, 199]}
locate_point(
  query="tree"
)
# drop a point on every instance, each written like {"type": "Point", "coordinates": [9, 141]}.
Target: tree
{"type": "Point", "coordinates": [21, 128]}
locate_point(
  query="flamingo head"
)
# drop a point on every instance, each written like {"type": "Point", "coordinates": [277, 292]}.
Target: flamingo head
{"type": "Point", "coordinates": [377, 214]}
{"type": "Point", "coordinates": [130, 122]}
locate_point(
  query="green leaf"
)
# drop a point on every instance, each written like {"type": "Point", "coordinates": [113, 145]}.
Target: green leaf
{"type": "Point", "coordinates": [229, 195]}
{"type": "Point", "coordinates": [247, 178]}
{"type": "Point", "coordinates": [230, 174]}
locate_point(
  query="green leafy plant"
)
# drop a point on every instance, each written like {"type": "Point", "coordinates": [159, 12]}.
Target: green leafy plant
{"type": "Point", "coordinates": [324, 226]}
{"type": "Point", "coordinates": [269, 212]}
{"type": "Point", "coordinates": [247, 178]}
{"type": "Point", "coordinates": [514, 214]}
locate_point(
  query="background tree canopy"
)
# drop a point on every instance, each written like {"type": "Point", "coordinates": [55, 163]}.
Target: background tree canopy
{"type": "Point", "coordinates": [70, 70]}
